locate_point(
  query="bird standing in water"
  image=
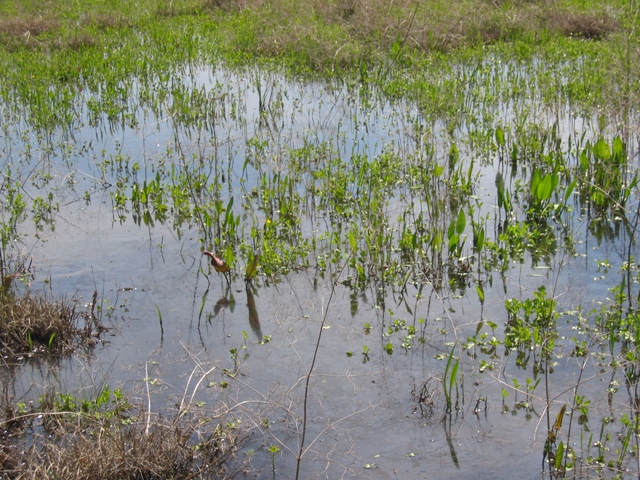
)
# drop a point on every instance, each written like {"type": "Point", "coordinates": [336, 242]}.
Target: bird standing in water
{"type": "Point", "coordinates": [218, 264]}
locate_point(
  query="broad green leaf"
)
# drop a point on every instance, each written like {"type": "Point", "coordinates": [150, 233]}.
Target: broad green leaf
{"type": "Point", "coordinates": [252, 267]}
{"type": "Point", "coordinates": [500, 137]}
{"type": "Point", "coordinates": [584, 160]}
{"type": "Point", "coordinates": [480, 293]}
{"type": "Point", "coordinates": [461, 223]}
{"type": "Point", "coordinates": [618, 148]}
{"type": "Point", "coordinates": [545, 188]}
{"type": "Point", "coordinates": [555, 180]}
{"type": "Point", "coordinates": [453, 242]}
{"type": "Point", "coordinates": [352, 241]}
{"type": "Point", "coordinates": [396, 47]}
{"type": "Point", "coordinates": [436, 241]}
{"type": "Point", "coordinates": [601, 150]}
{"type": "Point", "coordinates": [559, 455]}
{"type": "Point", "coordinates": [229, 256]}
{"type": "Point", "coordinates": [451, 231]}
{"type": "Point", "coordinates": [535, 183]}
{"type": "Point", "coordinates": [570, 189]}
{"type": "Point", "coordinates": [454, 375]}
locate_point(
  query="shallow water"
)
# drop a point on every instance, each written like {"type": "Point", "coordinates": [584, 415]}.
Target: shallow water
{"type": "Point", "coordinates": [365, 421]}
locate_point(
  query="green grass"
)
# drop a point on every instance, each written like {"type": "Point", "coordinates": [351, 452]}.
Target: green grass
{"type": "Point", "coordinates": [412, 51]}
{"type": "Point", "coordinates": [309, 35]}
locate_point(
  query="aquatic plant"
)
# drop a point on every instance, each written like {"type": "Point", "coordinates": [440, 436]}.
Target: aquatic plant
{"type": "Point", "coordinates": [64, 429]}
{"type": "Point", "coordinates": [457, 160]}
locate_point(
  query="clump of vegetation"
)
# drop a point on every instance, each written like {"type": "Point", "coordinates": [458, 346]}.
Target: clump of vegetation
{"type": "Point", "coordinates": [106, 438]}
{"type": "Point", "coordinates": [33, 323]}
{"type": "Point", "coordinates": [320, 33]}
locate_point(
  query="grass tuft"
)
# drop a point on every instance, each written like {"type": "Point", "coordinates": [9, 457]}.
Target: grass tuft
{"type": "Point", "coordinates": [31, 324]}
{"type": "Point", "coordinates": [97, 441]}
{"type": "Point", "coordinates": [26, 27]}
{"type": "Point", "coordinates": [589, 25]}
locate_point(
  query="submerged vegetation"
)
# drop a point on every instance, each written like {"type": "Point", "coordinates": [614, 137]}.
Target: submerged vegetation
{"type": "Point", "coordinates": [425, 158]}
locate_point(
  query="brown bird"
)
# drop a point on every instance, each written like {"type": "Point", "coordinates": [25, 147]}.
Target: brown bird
{"type": "Point", "coordinates": [218, 264]}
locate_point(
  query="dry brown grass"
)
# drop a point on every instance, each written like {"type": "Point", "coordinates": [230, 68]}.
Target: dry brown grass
{"type": "Point", "coordinates": [34, 323]}
{"type": "Point", "coordinates": [19, 31]}
{"type": "Point", "coordinates": [341, 32]}
{"type": "Point", "coordinates": [25, 31]}
{"type": "Point", "coordinates": [193, 446]}
{"type": "Point", "coordinates": [440, 26]}
{"type": "Point", "coordinates": [102, 434]}
{"type": "Point", "coordinates": [592, 26]}
{"type": "Point", "coordinates": [26, 27]}
{"type": "Point", "coordinates": [106, 22]}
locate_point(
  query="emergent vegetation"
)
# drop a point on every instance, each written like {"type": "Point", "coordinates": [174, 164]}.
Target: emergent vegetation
{"type": "Point", "coordinates": [461, 177]}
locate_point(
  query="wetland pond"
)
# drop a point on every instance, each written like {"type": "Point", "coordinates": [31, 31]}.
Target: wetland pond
{"type": "Point", "coordinates": [465, 291]}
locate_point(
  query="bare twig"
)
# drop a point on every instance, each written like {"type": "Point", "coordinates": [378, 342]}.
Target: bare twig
{"type": "Point", "coordinates": [301, 449]}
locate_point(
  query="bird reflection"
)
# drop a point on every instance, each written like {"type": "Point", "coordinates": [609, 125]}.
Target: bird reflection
{"type": "Point", "coordinates": [227, 301]}
{"type": "Point", "coordinates": [221, 305]}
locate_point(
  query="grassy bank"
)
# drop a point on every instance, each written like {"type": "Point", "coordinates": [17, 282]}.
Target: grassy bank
{"type": "Point", "coordinates": [315, 33]}
{"type": "Point", "coordinates": [309, 36]}
{"type": "Point", "coordinates": [583, 52]}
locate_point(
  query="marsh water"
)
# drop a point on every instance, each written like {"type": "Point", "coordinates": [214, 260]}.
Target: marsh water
{"type": "Point", "coordinates": [383, 322]}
